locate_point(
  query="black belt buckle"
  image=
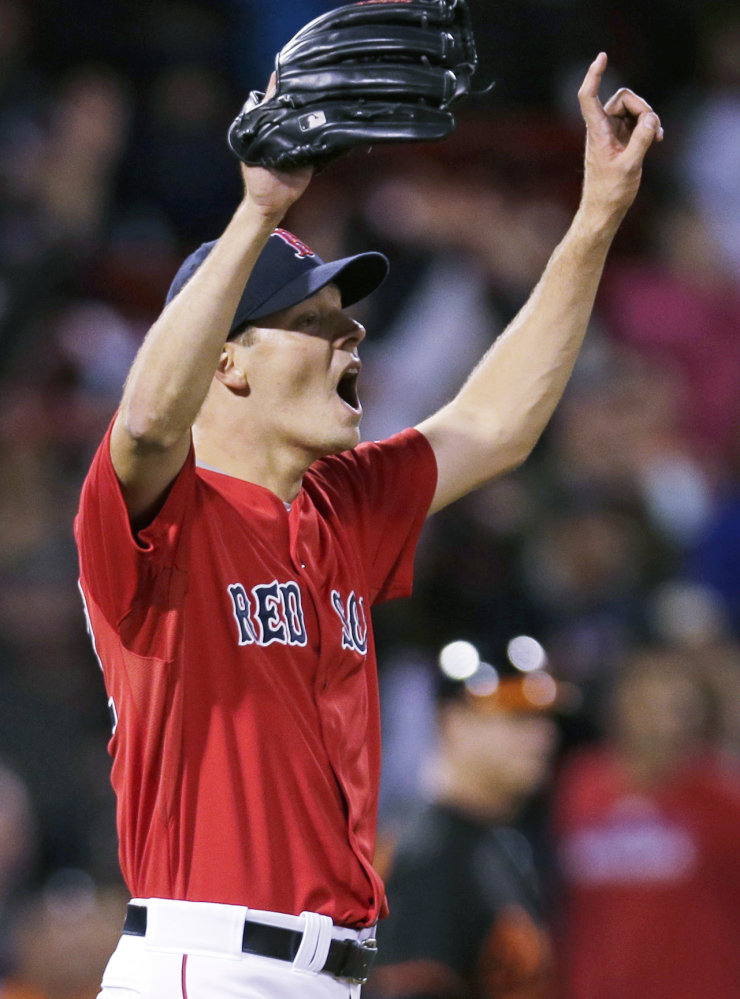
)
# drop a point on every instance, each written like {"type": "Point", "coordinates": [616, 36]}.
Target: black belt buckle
{"type": "Point", "coordinates": [360, 957]}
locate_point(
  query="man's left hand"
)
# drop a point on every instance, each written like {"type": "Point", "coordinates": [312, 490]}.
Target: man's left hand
{"type": "Point", "coordinates": [619, 135]}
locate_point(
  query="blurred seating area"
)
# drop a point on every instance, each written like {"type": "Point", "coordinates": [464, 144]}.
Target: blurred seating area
{"type": "Point", "coordinates": [621, 533]}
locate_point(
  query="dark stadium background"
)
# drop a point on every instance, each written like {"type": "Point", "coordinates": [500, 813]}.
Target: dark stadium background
{"type": "Point", "coordinates": [623, 529]}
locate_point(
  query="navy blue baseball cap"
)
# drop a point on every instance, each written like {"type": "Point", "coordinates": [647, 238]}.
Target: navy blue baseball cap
{"type": "Point", "coordinates": [288, 272]}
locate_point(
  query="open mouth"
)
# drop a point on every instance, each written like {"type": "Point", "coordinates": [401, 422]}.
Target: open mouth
{"type": "Point", "coordinates": [347, 389]}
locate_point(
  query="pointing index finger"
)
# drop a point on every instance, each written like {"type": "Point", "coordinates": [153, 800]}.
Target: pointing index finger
{"type": "Point", "coordinates": [588, 95]}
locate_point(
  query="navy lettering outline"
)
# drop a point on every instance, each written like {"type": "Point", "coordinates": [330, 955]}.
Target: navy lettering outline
{"type": "Point", "coordinates": [338, 604]}
{"type": "Point", "coordinates": [356, 609]}
{"type": "Point", "coordinates": [269, 613]}
{"type": "Point", "coordinates": [354, 621]}
{"type": "Point", "coordinates": [273, 614]}
{"type": "Point", "coordinates": [241, 606]}
{"type": "Point", "coordinates": [293, 611]}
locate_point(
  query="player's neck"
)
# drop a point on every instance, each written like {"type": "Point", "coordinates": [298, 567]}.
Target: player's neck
{"type": "Point", "coordinates": [247, 453]}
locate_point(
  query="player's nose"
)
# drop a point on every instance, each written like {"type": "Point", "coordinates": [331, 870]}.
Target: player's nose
{"type": "Point", "coordinates": [352, 335]}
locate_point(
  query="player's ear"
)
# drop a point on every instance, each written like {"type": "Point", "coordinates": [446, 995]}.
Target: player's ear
{"type": "Point", "coordinates": [231, 370]}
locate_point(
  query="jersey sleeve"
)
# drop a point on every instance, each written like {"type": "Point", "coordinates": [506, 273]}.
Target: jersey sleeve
{"type": "Point", "coordinates": [120, 569]}
{"type": "Point", "coordinates": [381, 493]}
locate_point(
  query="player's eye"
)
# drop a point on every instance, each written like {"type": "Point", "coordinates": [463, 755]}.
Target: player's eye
{"type": "Point", "coordinates": [311, 322]}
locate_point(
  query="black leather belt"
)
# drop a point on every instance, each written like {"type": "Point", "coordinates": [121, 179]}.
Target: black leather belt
{"type": "Point", "coordinates": [346, 958]}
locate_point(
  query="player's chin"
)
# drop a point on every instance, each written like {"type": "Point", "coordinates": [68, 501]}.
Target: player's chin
{"type": "Point", "coordinates": [336, 429]}
{"type": "Point", "coordinates": [344, 437]}
{"type": "Point", "coordinates": [348, 439]}
{"type": "Point", "coordinates": [347, 422]}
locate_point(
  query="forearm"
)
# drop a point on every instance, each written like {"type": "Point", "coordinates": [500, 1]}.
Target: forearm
{"type": "Point", "coordinates": [495, 420]}
{"type": "Point", "coordinates": [174, 368]}
{"type": "Point", "coordinates": [497, 417]}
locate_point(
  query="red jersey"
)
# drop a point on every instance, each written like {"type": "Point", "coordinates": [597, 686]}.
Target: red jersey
{"type": "Point", "coordinates": [237, 650]}
{"type": "Point", "coordinates": [652, 882]}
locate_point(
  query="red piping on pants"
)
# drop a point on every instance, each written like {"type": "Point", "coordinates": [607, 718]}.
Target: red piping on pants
{"type": "Point", "coordinates": [184, 972]}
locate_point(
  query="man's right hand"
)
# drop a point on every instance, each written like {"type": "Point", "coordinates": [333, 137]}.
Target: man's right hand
{"type": "Point", "coordinates": [174, 369]}
{"type": "Point", "coordinates": [270, 192]}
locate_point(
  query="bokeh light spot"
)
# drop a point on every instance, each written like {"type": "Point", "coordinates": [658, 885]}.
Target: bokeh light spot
{"type": "Point", "coordinates": [459, 660]}
{"type": "Point", "coordinates": [540, 689]}
{"type": "Point", "coordinates": [526, 653]}
{"type": "Point", "coordinates": [483, 682]}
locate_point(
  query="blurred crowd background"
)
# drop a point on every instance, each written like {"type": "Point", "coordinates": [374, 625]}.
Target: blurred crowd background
{"type": "Point", "coordinates": [617, 546]}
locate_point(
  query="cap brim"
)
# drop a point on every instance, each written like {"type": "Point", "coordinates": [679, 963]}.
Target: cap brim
{"type": "Point", "coordinates": [531, 693]}
{"type": "Point", "coordinates": [356, 277]}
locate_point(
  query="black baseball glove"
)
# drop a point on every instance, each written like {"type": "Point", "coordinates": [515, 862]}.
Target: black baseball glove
{"type": "Point", "coordinates": [369, 72]}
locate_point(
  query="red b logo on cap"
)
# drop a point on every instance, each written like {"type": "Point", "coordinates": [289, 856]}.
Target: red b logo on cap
{"type": "Point", "coordinates": [301, 250]}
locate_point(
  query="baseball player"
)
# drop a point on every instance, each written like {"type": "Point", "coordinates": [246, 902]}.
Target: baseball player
{"type": "Point", "coordinates": [233, 537]}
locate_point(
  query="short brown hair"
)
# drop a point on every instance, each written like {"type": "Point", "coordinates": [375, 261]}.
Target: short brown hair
{"type": "Point", "coordinates": [244, 334]}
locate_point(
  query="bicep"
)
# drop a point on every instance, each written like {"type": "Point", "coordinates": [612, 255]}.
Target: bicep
{"type": "Point", "coordinates": [144, 472]}
{"type": "Point", "coordinates": [467, 454]}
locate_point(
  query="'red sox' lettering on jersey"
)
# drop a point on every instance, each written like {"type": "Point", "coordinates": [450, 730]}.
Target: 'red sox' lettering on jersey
{"type": "Point", "coordinates": [274, 615]}
{"type": "Point", "coordinates": [354, 622]}
{"type": "Point", "coordinates": [224, 629]}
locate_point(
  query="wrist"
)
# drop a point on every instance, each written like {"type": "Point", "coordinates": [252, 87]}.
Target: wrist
{"type": "Point", "coordinates": [597, 223]}
{"type": "Point", "coordinates": [267, 216]}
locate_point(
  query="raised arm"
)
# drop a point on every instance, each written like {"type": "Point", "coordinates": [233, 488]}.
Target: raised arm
{"type": "Point", "coordinates": [495, 420]}
{"type": "Point", "coordinates": [173, 370]}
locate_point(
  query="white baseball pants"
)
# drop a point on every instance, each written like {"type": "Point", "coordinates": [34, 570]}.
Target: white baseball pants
{"type": "Point", "coordinates": [192, 950]}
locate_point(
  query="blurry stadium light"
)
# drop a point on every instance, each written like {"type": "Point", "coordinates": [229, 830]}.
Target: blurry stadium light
{"type": "Point", "coordinates": [459, 660]}
{"type": "Point", "coordinates": [526, 654]}
{"type": "Point", "coordinates": [483, 682]}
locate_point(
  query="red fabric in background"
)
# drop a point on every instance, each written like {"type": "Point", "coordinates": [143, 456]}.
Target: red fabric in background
{"type": "Point", "coordinates": [652, 882]}
{"type": "Point", "coordinates": [693, 332]}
